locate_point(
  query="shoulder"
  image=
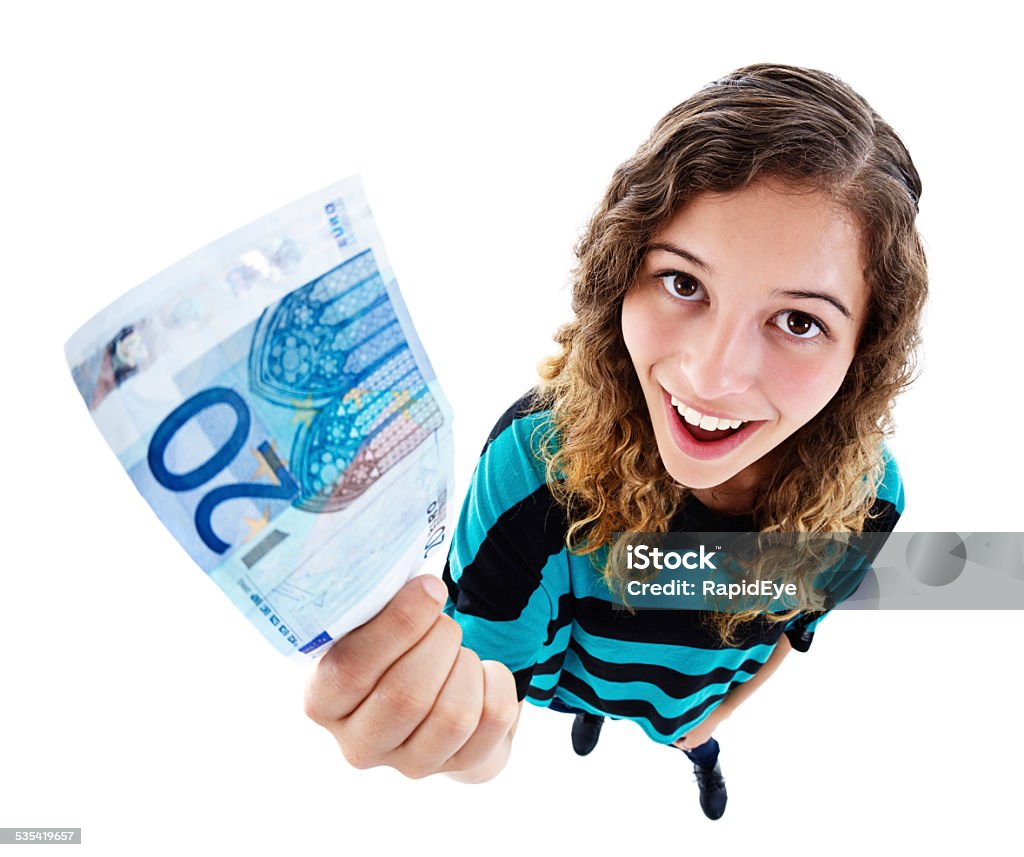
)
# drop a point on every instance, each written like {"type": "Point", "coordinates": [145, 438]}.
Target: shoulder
{"type": "Point", "coordinates": [890, 499]}
{"type": "Point", "coordinates": [509, 508]}
{"type": "Point", "coordinates": [891, 489]}
{"type": "Point", "coordinates": [520, 436]}
{"type": "Point", "coordinates": [528, 411]}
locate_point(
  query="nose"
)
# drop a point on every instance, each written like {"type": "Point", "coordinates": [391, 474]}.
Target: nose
{"type": "Point", "coordinates": [720, 357]}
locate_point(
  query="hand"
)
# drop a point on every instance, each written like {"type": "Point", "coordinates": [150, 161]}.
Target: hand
{"type": "Point", "coordinates": [700, 734]}
{"type": "Point", "coordinates": [402, 691]}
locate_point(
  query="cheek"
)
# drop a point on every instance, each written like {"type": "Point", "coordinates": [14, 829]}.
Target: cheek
{"type": "Point", "coordinates": [633, 329]}
{"type": "Point", "coordinates": [802, 388]}
{"type": "Point", "coordinates": [646, 332]}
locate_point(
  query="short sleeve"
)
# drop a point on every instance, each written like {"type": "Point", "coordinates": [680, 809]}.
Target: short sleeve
{"type": "Point", "coordinates": [884, 514]}
{"type": "Point", "coordinates": [508, 532]}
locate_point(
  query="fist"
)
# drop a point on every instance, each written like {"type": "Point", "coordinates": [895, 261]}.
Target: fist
{"type": "Point", "coordinates": [403, 691]}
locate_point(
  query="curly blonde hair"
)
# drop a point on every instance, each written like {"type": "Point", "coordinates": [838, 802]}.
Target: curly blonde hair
{"type": "Point", "coordinates": [800, 126]}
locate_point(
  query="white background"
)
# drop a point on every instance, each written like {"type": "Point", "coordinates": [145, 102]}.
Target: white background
{"type": "Point", "coordinates": [137, 705]}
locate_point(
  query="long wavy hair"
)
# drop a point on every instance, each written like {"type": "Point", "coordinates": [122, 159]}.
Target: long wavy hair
{"type": "Point", "coordinates": [800, 126]}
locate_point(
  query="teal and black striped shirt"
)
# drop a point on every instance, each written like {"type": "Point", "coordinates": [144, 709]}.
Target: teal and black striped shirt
{"type": "Point", "coordinates": [523, 599]}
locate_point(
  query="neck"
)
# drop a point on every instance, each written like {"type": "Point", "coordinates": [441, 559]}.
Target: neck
{"type": "Point", "coordinates": [737, 495]}
{"type": "Point", "coordinates": [724, 501]}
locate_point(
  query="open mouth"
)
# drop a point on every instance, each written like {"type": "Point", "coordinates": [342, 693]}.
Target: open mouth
{"type": "Point", "coordinates": [710, 441]}
{"type": "Point", "coordinates": [702, 428]}
{"type": "Point", "coordinates": [707, 435]}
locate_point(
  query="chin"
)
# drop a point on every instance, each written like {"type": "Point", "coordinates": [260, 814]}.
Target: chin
{"type": "Point", "coordinates": [695, 477]}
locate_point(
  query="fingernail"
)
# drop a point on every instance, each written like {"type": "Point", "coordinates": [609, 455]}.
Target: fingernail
{"type": "Point", "coordinates": [435, 588]}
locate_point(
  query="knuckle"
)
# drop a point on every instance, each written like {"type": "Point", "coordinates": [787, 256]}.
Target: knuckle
{"type": "Point", "coordinates": [408, 620]}
{"type": "Point", "coordinates": [502, 721]}
{"type": "Point", "coordinates": [450, 628]}
{"type": "Point", "coordinates": [358, 756]}
{"type": "Point", "coordinates": [471, 659]}
{"type": "Point", "coordinates": [454, 722]}
{"type": "Point", "coordinates": [340, 675]}
{"type": "Point", "coordinates": [357, 760]}
{"type": "Point", "coordinates": [501, 702]}
{"type": "Point", "coordinates": [311, 708]}
{"type": "Point", "coordinates": [500, 715]}
{"type": "Point", "coordinates": [414, 771]}
{"type": "Point", "coordinates": [402, 700]}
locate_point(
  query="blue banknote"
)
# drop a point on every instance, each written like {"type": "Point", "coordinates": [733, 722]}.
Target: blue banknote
{"type": "Point", "coordinates": [270, 399]}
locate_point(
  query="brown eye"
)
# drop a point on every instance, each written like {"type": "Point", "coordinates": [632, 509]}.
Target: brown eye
{"type": "Point", "coordinates": [681, 285]}
{"type": "Point", "coordinates": [798, 324]}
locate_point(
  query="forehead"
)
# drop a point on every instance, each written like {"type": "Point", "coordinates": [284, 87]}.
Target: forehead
{"type": "Point", "coordinates": [772, 235]}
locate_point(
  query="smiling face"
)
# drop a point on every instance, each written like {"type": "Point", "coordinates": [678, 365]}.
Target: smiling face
{"type": "Point", "coordinates": [747, 307]}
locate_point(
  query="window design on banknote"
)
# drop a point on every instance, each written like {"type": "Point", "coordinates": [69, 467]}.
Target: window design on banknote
{"type": "Point", "coordinates": [336, 346]}
{"type": "Point", "coordinates": [307, 407]}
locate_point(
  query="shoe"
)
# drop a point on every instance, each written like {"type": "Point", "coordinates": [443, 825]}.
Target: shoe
{"type": "Point", "coordinates": [586, 729]}
{"type": "Point", "coordinates": [712, 790]}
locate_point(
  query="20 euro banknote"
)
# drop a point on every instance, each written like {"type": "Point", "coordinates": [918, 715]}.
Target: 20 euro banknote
{"type": "Point", "coordinates": [270, 399]}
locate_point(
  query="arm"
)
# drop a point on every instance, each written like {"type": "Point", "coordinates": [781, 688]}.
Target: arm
{"type": "Point", "coordinates": [702, 732]}
{"type": "Point", "coordinates": [498, 592]}
{"type": "Point", "coordinates": [741, 692]}
{"type": "Point", "coordinates": [885, 512]}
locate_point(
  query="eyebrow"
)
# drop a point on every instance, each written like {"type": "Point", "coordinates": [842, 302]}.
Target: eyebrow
{"type": "Point", "coordinates": [821, 296]}
{"type": "Point", "coordinates": [789, 293]}
{"type": "Point", "coordinates": [679, 251]}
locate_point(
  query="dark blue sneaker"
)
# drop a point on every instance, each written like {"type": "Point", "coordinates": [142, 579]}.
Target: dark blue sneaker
{"type": "Point", "coordinates": [586, 729]}
{"type": "Point", "coordinates": [712, 790]}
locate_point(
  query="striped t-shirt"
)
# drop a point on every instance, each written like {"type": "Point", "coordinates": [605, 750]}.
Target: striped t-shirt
{"type": "Point", "coordinates": [523, 599]}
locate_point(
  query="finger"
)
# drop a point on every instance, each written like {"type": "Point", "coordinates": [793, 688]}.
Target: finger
{"type": "Point", "coordinates": [405, 694]}
{"type": "Point", "coordinates": [499, 715]}
{"type": "Point", "coordinates": [449, 724]}
{"type": "Point", "coordinates": [351, 669]}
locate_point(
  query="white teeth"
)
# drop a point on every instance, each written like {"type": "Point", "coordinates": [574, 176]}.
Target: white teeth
{"type": "Point", "coordinates": [696, 418]}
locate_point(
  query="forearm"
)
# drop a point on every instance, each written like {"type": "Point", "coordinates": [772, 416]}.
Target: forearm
{"type": "Point", "coordinates": [741, 692]}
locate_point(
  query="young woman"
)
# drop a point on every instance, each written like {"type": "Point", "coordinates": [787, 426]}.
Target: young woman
{"type": "Point", "coordinates": [746, 308]}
